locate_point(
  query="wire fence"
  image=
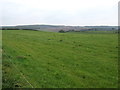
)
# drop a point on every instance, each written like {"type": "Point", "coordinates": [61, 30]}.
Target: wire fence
{"type": "Point", "coordinates": [12, 77]}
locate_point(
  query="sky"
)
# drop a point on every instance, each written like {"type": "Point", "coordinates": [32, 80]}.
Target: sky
{"type": "Point", "coordinates": [59, 12]}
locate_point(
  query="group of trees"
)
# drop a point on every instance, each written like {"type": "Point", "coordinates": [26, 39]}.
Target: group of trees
{"type": "Point", "coordinates": [62, 31]}
{"type": "Point", "coordinates": [9, 28]}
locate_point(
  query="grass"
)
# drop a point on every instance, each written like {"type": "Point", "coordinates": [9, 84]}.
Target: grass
{"type": "Point", "coordinates": [0, 59]}
{"type": "Point", "coordinates": [59, 60]}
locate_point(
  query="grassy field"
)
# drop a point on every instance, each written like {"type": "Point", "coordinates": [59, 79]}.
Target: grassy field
{"type": "Point", "coordinates": [59, 60]}
{"type": "Point", "coordinates": [0, 59]}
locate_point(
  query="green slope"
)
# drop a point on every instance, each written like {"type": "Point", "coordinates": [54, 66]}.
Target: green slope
{"type": "Point", "coordinates": [53, 60]}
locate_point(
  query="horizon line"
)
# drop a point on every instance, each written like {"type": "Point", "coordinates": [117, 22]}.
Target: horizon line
{"type": "Point", "coordinates": [56, 25]}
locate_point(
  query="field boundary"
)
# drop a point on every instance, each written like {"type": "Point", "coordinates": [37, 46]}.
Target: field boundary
{"type": "Point", "coordinates": [20, 73]}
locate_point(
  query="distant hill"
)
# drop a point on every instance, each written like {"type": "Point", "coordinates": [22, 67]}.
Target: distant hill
{"type": "Point", "coordinates": [56, 28]}
{"type": "Point", "coordinates": [103, 28]}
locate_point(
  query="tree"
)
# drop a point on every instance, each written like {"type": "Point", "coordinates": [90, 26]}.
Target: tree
{"type": "Point", "coordinates": [62, 31]}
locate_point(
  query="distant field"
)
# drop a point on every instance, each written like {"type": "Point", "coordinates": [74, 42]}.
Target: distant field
{"type": "Point", "coordinates": [59, 60]}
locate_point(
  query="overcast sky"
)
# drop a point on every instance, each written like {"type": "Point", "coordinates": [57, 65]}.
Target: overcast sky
{"type": "Point", "coordinates": [59, 12]}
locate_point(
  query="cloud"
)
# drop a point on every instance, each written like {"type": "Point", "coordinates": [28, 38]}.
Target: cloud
{"type": "Point", "coordinates": [68, 12]}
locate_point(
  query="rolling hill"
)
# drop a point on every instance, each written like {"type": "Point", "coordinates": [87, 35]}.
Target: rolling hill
{"type": "Point", "coordinates": [37, 59]}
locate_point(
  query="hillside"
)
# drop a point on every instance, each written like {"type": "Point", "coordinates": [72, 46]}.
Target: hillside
{"type": "Point", "coordinates": [59, 60]}
{"type": "Point", "coordinates": [56, 28]}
